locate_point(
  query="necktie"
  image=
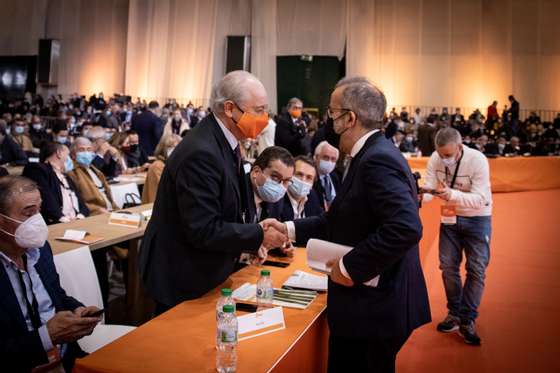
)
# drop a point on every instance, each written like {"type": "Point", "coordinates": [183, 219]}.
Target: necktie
{"type": "Point", "coordinates": [348, 164]}
{"type": "Point", "coordinates": [327, 185]}
{"type": "Point", "coordinates": [237, 156]}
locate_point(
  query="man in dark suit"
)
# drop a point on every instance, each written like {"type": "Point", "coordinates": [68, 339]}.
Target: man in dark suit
{"type": "Point", "coordinates": [514, 114]}
{"type": "Point", "coordinates": [197, 231]}
{"type": "Point", "coordinates": [10, 151]}
{"type": "Point", "coordinates": [36, 314]}
{"type": "Point", "coordinates": [375, 212]}
{"type": "Point", "coordinates": [301, 200]}
{"type": "Point", "coordinates": [61, 200]}
{"type": "Point", "coordinates": [327, 183]}
{"type": "Point", "coordinates": [149, 127]}
{"type": "Point", "coordinates": [269, 179]}
{"type": "Point", "coordinates": [291, 129]}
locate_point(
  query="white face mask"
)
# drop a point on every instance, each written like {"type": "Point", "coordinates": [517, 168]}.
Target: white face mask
{"type": "Point", "coordinates": [326, 167]}
{"type": "Point", "coordinates": [31, 233]}
{"type": "Point", "coordinates": [448, 162]}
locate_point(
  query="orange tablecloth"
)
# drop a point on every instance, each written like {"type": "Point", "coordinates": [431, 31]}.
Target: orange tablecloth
{"type": "Point", "coordinates": [515, 174]}
{"type": "Point", "coordinates": [183, 339]}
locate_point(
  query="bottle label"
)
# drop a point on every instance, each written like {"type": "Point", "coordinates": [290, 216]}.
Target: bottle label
{"type": "Point", "coordinates": [228, 336]}
{"type": "Point", "coordinates": [263, 293]}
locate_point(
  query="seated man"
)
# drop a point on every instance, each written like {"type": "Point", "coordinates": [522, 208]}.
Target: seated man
{"type": "Point", "coordinates": [91, 182]}
{"type": "Point", "coordinates": [39, 322]}
{"type": "Point", "coordinates": [107, 157]}
{"type": "Point", "coordinates": [328, 182]}
{"type": "Point", "coordinates": [38, 133]}
{"type": "Point", "coordinates": [301, 201]}
{"type": "Point", "coordinates": [270, 176]}
{"type": "Point", "coordinates": [19, 134]}
{"type": "Point", "coordinates": [10, 151]}
{"type": "Point", "coordinates": [60, 133]}
{"type": "Point", "coordinates": [134, 155]}
{"type": "Point", "coordinates": [61, 200]}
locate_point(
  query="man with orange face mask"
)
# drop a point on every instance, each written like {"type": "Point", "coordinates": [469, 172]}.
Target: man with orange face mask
{"type": "Point", "coordinates": [291, 128]}
{"type": "Point", "coordinates": [199, 226]}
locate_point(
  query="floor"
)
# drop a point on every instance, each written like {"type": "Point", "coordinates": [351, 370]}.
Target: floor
{"type": "Point", "coordinates": [520, 313]}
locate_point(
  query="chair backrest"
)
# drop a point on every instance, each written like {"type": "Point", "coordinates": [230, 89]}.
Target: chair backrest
{"type": "Point", "coordinates": [119, 191]}
{"type": "Point", "coordinates": [78, 277]}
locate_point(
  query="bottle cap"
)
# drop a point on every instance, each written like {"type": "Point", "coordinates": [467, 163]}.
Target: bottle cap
{"type": "Point", "coordinates": [265, 272]}
{"type": "Point", "coordinates": [226, 292]}
{"type": "Point", "coordinates": [228, 308]}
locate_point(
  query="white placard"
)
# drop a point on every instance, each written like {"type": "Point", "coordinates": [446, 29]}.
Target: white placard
{"type": "Point", "coordinates": [304, 280]}
{"type": "Point", "coordinates": [260, 323]}
{"type": "Point", "coordinates": [126, 220]}
{"type": "Point", "coordinates": [73, 234]}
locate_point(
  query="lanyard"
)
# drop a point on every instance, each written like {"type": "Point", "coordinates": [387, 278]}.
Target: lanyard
{"type": "Point", "coordinates": [456, 171]}
{"type": "Point", "coordinates": [33, 307]}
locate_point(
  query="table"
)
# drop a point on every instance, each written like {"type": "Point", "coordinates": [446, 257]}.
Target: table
{"type": "Point", "coordinates": [512, 174]}
{"type": "Point", "coordinates": [139, 178]}
{"type": "Point", "coordinates": [98, 226]}
{"type": "Point", "coordinates": [183, 339]}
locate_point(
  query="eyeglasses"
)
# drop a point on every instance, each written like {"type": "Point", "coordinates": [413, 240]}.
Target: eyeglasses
{"type": "Point", "coordinates": [331, 110]}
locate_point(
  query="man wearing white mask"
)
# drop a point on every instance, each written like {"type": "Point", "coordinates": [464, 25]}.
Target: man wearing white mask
{"type": "Point", "coordinates": [328, 182]}
{"type": "Point", "coordinates": [301, 200]}
{"type": "Point", "coordinates": [270, 177]}
{"type": "Point", "coordinates": [40, 323]}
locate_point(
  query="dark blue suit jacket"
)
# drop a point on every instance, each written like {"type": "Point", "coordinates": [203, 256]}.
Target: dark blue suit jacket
{"type": "Point", "coordinates": [312, 207]}
{"type": "Point", "coordinates": [20, 349]}
{"type": "Point", "coordinates": [318, 187]}
{"type": "Point", "coordinates": [376, 212]}
{"type": "Point", "coordinates": [149, 128]}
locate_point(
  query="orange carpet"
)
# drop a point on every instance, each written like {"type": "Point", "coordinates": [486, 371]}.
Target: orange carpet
{"type": "Point", "coordinates": [519, 320]}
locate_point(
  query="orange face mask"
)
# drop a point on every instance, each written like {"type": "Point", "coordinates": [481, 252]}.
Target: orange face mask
{"type": "Point", "coordinates": [296, 113]}
{"type": "Point", "coordinates": [251, 125]}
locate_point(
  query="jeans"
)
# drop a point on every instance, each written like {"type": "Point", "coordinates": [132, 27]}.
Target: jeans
{"type": "Point", "coordinates": [471, 234]}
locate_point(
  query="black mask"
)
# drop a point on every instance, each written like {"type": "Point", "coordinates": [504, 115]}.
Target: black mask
{"type": "Point", "coordinates": [332, 137]}
{"type": "Point", "coordinates": [133, 148]}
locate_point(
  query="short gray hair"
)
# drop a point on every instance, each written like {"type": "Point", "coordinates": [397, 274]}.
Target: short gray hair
{"type": "Point", "coordinates": [321, 145]}
{"type": "Point", "coordinates": [293, 101]}
{"type": "Point", "coordinates": [79, 141]}
{"type": "Point", "coordinates": [11, 185]}
{"type": "Point", "coordinates": [446, 136]}
{"type": "Point", "coordinates": [364, 99]}
{"type": "Point", "coordinates": [233, 86]}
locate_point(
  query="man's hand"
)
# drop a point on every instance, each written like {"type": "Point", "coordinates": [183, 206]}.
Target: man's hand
{"type": "Point", "coordinates": [280, 227]}
{"type": "Point", "coordinates": [67, 327]}
{"type": "Point", "coordinates": [272, 236]}
{"type": "Point", "coordinates": [85, 311]}
{"type": "Point", "coordinates": [336, 275]}
{"type": "Point", "coordinates": [288, 249]}
{"type": "Point", "coordinates": [443, 192]}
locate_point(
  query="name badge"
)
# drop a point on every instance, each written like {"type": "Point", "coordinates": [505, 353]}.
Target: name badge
{"type": "Point", "coordinates": [260, 323]}
{"type": "Point", "coordinates": [448, 215]}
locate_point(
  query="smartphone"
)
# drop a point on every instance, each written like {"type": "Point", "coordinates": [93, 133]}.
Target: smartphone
{"type": "Point", "coordinates": [96, 313]}
{"type": "Point", "coordinates": [246, 307]}
{"type": "Point", "coordinates": [275, 264]}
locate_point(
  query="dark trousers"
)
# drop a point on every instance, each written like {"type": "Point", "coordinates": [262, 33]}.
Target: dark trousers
{"type": "Point", "coordinates": [363, 354]}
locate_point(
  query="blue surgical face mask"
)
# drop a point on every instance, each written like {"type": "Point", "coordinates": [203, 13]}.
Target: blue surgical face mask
{"type": "Point", "coordinates": [299, 188]}
{"type": "Point", "coordinates": [326, 167]}
{"type": "Point", "coordinates": [68, 165]}
{"type": "Point", "coordinates": [108, 135]}
{"type": "Point", "coordinates": [61, 139]}
{"type": "Point", "coordinates": [19, 130]}
{"type": "Point", "coordinates": [37, 126]}
{"type": "Point", "coordinates": [271, 191]}
{"type": "Point", "coordinates": [85, 158]}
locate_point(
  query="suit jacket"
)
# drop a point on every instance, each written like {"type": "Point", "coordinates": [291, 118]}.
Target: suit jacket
{"type": "Point", "coordinates": [289, 136]}
{"type": "Point", "coordinates": [20, 349]}
{"type": "Point", "coordinates": [51, 194]}
{"type": "Point", "coordinates": [149, 128]}
{"type": "Point", "coordinates": [268, 210]}
{"type": "Point", "coordinates": [196, 233]}
{"type": "Point", "coordinates": [312, 207]}
{"type": "Point", "coordinates": [88, 190]}
{"type": "Point", "coordinates": [320, 191]}
{"type": "Point", "coordinates": [11, 152]}
{"type": "Point", "coordinates": [107, 165]}
{"type": "Point", "coordinates": [376, 212]}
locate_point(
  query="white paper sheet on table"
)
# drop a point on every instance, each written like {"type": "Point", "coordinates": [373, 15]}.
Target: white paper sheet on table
{"type": "Point", "coordinates": [320, 252]}
{"type": "Point", "coordinates": [304, 280]}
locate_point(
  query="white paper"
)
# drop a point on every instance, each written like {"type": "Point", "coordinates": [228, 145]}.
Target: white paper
{"type": "Point", "coordinates": [304, 280]}
{"type": "Point", "coordinates": [269, 320]}
{"type": "Point", "coordinates": [320, 252]}
{"type": "Point", "coordinates": [245, 291]}
{"type": "Point", "coordinates": [72, 234]}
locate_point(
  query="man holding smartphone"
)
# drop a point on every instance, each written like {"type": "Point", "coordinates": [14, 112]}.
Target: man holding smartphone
{"type": "Point", "coordinates": [460, 177]}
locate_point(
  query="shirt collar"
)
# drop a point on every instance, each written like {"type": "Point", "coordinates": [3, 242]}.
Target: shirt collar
{"type": "Point", "coordinates": [232, 141]}
{"type": "Point", "coordinates": [33, 256]}
{"type": "Point", "coordinates": [361, 142]}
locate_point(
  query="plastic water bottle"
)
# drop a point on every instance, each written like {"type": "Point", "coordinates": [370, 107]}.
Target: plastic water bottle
{"type": "Point", "coordinates": [265, 291]}
{"type": "Point", "coordinates": [225, 299]}
{"type": "Point", "coordinates": [226, 354]}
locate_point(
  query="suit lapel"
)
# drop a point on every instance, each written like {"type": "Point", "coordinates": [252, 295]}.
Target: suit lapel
{"type": "Point", "coordinates": [347, 182]}
{"type": "Point", "coordinates": [9, 299]}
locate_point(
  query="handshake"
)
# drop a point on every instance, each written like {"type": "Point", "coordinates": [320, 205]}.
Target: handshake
{"type": "Point", "coordinates": [275, 236]}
